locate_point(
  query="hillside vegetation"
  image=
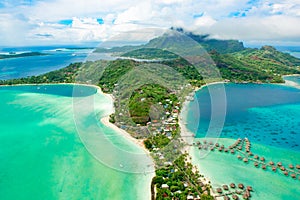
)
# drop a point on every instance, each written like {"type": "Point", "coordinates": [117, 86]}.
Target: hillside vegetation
{"type": "Point", "coordinates": [256, 65]}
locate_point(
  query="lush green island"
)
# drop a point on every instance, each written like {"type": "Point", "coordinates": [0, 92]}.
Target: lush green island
{"type": "Point", "coordinates": [153, 108]}
{"type": "Point", "coordinates": [19, 55]}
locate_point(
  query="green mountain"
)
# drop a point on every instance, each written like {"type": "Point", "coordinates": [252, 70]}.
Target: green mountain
{"type": "Point", "coordinates": [209, 44]}
{"type": "Point", "coordinates": [235, 62]}
{"type": "Point", "coordinates": [221, 46]}
{"type": "Point", "coordinates": [258, 65]}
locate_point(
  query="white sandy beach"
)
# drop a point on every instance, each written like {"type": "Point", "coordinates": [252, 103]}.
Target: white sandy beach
{"type": "Point", "coordinates": [140, 142]}
{"type": "Point", "coordinates": [291, 83]}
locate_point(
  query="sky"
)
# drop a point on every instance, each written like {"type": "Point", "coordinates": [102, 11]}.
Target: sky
{"type": "Point", "coordinates": [46, 22]}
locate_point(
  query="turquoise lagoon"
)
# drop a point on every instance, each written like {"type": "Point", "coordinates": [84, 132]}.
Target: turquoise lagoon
{"type": "Point", "coordinates": [43, 157]}
{"type": "Point", "coordinates": [269, 115]}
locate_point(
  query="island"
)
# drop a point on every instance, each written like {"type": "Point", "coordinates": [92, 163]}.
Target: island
{"type": "Point", "coordinates": [150, 111]}
{"type": "Point", "coordinates": [19, 55]}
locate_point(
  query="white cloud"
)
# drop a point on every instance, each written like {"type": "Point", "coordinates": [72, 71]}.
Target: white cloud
{"type": "Point", "coordinates": [204, 21]}
{"type": "Point", "coordinates": [263, 20]}
{"type": "Point", "coordinates": [13, 30]}
{"type": "Point", "coordinates": [81, 30]}
{"type": "Point", "coordinates": [257, 29]}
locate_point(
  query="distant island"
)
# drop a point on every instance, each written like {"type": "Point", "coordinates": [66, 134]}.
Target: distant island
{"type": "Point", "coordinates": [177, 179]}
{"type": "Point", "coordinates": [19, 55]}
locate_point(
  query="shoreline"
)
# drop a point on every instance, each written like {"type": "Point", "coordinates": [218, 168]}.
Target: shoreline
{"type": "Point", "coordinates": [188, 136]}
{"type": "Point", "coordinates": [185, 134]}
{"type": "Point", "coordinates": [105, 121]}
{"type": "Point", "coordinates": [139, 142]}
{"type": "Point", "coordinates": [291, 83]}
{"type": "Point", "coordinates": [182, 121]}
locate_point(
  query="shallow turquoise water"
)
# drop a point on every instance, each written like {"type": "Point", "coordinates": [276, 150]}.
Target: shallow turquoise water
{"type": "Point", "coordinates": [224, 168]}
{"type": "Point", "coordinates": [269, 115]}
{"type": "Point", "coordinates": [42, 156]}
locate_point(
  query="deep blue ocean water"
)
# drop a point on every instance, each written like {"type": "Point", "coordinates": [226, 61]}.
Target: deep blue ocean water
{"type": "Point", "coordinates": [266, 114]}
{"type": "Point", "coordinates": [35, 65]}
{"type": "Point", "coordinates": [269, 115]}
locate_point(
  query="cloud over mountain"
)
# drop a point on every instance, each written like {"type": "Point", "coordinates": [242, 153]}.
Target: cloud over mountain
{"type": "Point", "coordinates": [68, 21]}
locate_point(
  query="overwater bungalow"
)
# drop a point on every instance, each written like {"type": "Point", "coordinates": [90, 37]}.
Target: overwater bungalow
{"type": "Point", "coordinates": [232, 185]}
{"type": "Point", "coordinates": [271, 163]}
{"type": "Point", "coordinates": [282, 168]}
{"type": "Point", "coordinates": [256, 157]}
{"type": "Point", "coordinates": [293, 175]}
{"type": "Point", "coordinates": [249, 188]}
{"type": "Point", "coordinates": [264, 167]}
{"type": "Point", "coordinates": [226, 198]}
{"type": "Point", "coordinates": [239, 192]}
{"type": "Point", "coordinates": [248, 193]}
{"type": "Point", "coordinates": [279, 164]}
{"type": "Point", "coordinates": [286, 173]}
{"type": "Point", "coordinates": [217, 145]}
{"type": "Point", "coordinates": [225, 187]}
{"type": "Point", "coordinates": [245, 196]}
{"type": "Point", "coordinates": [262, 159]}
{"type": "Point", "coordinates": [241, 186]}
{"type": "Point", "coordinates": [274, 169]}
{"type": "Point", "coordinates": [239, 157]}
{"type": "Point", "coordinates": [256, 164]}
{"type": "Point", "coordinates": [245, 160]}
{"type": "Point", "coordinates": [225, 150]}
{"type": "Point", "coordinates": [219, 190]}
{"type": "Point", "coordinates": [291, 166]}
{"type": "Point", "coordinates": [232, 151]}
{"type": "Point", "coordinates": [298, 166]}
{"type": "Point", "coordinates": [235, 197]}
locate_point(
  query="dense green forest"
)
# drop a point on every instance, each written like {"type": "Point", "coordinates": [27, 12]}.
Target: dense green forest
{"type": "Point", "coordinates": [257, 65]}
{"type": "Point", "coordinates": [151, 53]}
{"type": "Point", "coordinates": [144, 97]}
{"type": "Point", "coordinates": [178, 181]}
{"type": "Point", "coordinates": [113, 72]}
